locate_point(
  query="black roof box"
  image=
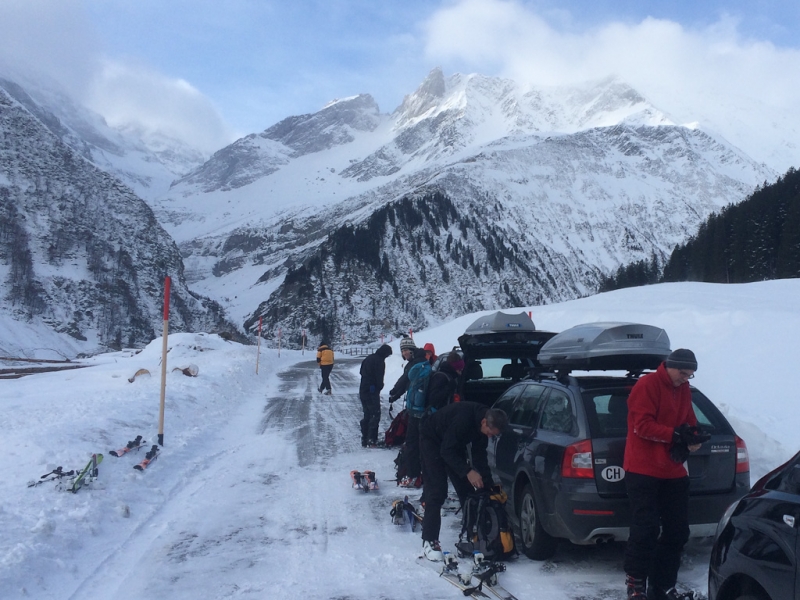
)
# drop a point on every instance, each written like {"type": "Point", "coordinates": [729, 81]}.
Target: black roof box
{"type": "Point", "coordinates": [607, 346]}
{"type": "Point", "coordinates": [500, 321]}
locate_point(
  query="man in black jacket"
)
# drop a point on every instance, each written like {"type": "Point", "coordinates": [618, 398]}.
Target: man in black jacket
{"type": "Point", "coordinates": [373, 369]}
{"type": "Point", "coordinates": [444, 441]}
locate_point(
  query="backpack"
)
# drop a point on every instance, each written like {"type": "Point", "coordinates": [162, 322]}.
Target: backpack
{"type": "Point", "coordinates": [485, 527]}
{"type": "Point", "coordinates": [416, 396]}
{"type": "Point", "coordinates": [396, 434]}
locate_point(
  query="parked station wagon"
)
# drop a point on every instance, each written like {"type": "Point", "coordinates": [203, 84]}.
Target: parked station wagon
{"type": "Point", "coordinates": [560, 460]}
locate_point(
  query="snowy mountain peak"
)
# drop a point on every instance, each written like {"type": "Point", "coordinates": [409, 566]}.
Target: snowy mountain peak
{"type": "Point", "coordinates": [427, 96]}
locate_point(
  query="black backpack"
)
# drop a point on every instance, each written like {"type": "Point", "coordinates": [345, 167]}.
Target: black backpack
{"type": "Point", "coordinates": [485, 527]}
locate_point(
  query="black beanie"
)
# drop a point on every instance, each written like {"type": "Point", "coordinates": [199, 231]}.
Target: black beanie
{"type": "Point", "coordinates": [682, 359]}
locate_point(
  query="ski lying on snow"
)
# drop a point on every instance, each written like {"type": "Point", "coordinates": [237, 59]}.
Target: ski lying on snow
{"type": "Point", "coordinates": [449, 571]}
{"type": "Point", "coordinates": [485, 572]}
{"type": "Point", "coordinates": [53, 475]}
{"type": "Point", "coordinates": [134, 444]}
{"type": "Point", "coordinates": [151, 455]}
{"type": "Point", "coordinates": [87, 474]}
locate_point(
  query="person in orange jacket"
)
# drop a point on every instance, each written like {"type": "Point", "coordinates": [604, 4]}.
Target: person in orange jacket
{"type": "Point", "coordinates": [325, 361]}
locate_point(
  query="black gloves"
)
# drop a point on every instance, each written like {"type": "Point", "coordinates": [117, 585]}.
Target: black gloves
{"type": "Point", "coordinates": [689, 435]}
{"type": "Point", "coordinates": [683, 437]}
{"type": "Point", "coordinates": [679, 452]}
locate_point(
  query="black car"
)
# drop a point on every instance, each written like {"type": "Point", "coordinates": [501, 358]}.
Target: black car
{"type": "Point", "coordinates": [560, 460]}
{"type": "Point", "coordinates": [755, 551]}
{"type": "Point", "coordinates": [499, 349]}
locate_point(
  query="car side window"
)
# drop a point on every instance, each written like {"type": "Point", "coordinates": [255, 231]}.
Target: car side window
{"type": "Point", "coordinates": [526, 411]}
{"type": "Point", "coordinates": [557, 413]}
{"type": "Point", "coordinates": [506, 401]}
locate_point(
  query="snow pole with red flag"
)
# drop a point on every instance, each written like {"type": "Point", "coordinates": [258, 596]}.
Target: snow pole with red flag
{"type": "Point", "coordinates": [164, 363]}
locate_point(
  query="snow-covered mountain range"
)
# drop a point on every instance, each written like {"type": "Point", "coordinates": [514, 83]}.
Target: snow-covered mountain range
{"type": "Point", "coordinates": [79, 251]}
{"type": "Point", "coordinates": [544, 190]}
{"type": "Point", "coordinates": [475, 193]}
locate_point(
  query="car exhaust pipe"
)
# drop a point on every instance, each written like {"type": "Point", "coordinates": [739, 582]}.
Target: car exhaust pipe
{"type": "Point", "coordinates": [603, 539]}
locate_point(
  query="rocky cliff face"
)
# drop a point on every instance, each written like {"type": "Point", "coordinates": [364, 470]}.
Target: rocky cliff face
{"type": "Point", "coordinates": [78, 249]}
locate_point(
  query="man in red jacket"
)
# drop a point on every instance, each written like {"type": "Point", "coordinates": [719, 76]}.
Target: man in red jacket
{"type": "Point", "coordinates": [662, 430]}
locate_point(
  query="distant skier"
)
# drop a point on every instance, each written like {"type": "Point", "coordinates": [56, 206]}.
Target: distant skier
{"type": "Point", "coordinates": [325, 360]}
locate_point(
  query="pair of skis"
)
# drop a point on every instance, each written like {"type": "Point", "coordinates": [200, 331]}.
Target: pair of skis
{"type": "Point", "coordinates": [135, 444]}
{"type": "Point", "coordinates": [364, 480]}
{"type": "Point", "coordinates": [485, 572]}
{"type": "Point", "coordinates": [403, 512]}
{"type": "Point", "coordinates": [80, 478]}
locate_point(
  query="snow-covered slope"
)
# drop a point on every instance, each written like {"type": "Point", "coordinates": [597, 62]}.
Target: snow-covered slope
{"type": "Point", "coordinates": [568, 182]}
{"type": "Point", "coordinates": [79, 251]}
{"type": "Point", "coordinates": [250, 497]}
{"type": "Point", "coordinates": [146, 162]}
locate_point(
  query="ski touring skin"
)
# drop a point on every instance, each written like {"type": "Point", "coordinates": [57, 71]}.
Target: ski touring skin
{"type": "Point", "coordinates": [87, 474]}
{"type": "Point", "coordinates": [364, 480]}
{"type": "Point", "coordinates": [134, 444]}
{"type": "Point", "coordinates": [151, 455]}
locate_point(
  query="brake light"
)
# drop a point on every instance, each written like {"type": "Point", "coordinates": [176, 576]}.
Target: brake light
{"type": "Point", "coordinates": [742, 457]}
{"type": "Point", "coordinates": [578, 460]}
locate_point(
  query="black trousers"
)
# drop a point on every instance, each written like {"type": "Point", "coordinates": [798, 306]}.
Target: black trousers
{"type": "Point", "coordinates": [371, 404]}
{"type": "Point", "coordinates": [435, 473]}
{"type": "Point", "coordinates": [659, 528]}
{"type": "Point", "coordinates": [326, 382]}
{"type": "Point", "coordinates": [413, 464]}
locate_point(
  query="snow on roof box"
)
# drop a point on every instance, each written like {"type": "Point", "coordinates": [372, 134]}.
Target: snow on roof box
{"type": "Point", "coordinates": [607, 346]}
{"type": "Point", "coordinates": [501, 321]}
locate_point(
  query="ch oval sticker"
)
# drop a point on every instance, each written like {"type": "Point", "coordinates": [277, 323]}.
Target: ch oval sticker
{"type": "Point", "coordinates": [613, 474]}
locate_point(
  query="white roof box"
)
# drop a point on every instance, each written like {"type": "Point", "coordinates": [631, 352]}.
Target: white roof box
{"type": "Point", "coordinates": [607, 346]}
{"type": "Point", "coordinates": [501, 321]}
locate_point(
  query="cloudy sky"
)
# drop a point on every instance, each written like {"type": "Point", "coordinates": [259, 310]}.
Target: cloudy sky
{"type": "Point", "coordinates": [212, 70]}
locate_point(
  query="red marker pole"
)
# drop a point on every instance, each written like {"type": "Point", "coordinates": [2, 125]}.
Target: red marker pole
{"type": "Point", "coordinates": [164, 362]}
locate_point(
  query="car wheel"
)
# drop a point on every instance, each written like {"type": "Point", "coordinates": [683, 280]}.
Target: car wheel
{"type": "Point", "coordinates": [536, 543]}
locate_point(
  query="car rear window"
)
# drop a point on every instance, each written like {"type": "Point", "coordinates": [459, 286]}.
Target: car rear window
{"type": "Point", "coordinates": [607, 412]}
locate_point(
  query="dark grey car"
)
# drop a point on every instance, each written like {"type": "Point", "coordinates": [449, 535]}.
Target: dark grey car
{"type": "Point", "coordinates": [560, 460]}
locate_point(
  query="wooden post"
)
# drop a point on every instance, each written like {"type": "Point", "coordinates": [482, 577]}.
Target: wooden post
{"type": "Point", "coordinates": [164, 362]}
{"type": "Point", "coordinates": [279, 341]}
{"type": "Point", "coordinates": [258, 350]}
{"type": "Point", "coordinates": [303, 344]}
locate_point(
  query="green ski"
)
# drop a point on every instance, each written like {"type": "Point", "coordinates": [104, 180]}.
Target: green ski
{"type": "Point", "coordinates": [88, 473]}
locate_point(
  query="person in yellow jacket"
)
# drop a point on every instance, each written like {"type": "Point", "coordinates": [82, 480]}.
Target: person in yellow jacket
{"type": "Point", "coordinates": [325, 360]}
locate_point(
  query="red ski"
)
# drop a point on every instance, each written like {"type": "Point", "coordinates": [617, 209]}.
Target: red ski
{"type": "Point", "coordinates": [151, 455]}
{"type": "Point", "coordinates": [132, 445]}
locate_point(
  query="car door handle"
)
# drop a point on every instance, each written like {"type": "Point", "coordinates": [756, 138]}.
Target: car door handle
{"type": "Point", "coordinates": [789, 520]}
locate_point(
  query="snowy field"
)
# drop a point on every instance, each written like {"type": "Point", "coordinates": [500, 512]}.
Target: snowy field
{"type": "Point", "coordinates": [251, 498]}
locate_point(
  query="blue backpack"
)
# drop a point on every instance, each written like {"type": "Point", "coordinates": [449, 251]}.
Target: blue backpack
{"type": "Point", "coordinates": [416, 396]}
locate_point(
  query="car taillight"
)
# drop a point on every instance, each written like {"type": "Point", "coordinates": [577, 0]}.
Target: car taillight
{"type": "Point", "coordinates": [742, 457]}
{"type": "Point", "coordinates": [578, 461]}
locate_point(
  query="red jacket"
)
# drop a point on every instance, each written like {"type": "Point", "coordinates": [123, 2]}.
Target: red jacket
{"type": "Point", "coordinates": [655, 409]}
